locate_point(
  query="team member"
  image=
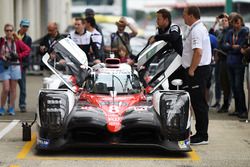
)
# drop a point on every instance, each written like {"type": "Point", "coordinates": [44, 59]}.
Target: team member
{"type": "Point", "coordinates": [170, 33]}
{"type": "Point", "coordinates": [81, 36]}
{"type": "Point", "coordinates": [196, 57]}
{"type": "Point", "coordinates": [47, 42]}
{"type": "Point", "coordinates": [96, 39]}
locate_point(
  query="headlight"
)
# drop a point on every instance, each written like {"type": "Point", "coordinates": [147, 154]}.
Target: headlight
{"type": "Point", "coordinates": [174, 109]}
{"type": "Point", "coordinates": [52, 109]}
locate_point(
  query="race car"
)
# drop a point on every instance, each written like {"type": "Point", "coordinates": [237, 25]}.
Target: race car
{"type": "Point", "coordinates": [106, 105]}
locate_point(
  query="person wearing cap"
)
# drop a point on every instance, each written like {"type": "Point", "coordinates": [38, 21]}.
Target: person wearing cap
{"type": "Point", "coordinates": [91, 13]}
{"type": "Point", "coordinates": [22, 35]}
{"type": "Point", "coordinates": [96, 39]}
{"type": "Point", "coordinates": [120, 37]}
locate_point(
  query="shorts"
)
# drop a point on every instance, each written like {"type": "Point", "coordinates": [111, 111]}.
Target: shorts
{"type": "Point", "coordinates": [12, 73]}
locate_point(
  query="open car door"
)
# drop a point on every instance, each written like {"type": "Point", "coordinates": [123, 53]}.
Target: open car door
{"type": "Point", "coordinates": [168, 62]}
{"type": "Point", "coordinates": [75, 60]}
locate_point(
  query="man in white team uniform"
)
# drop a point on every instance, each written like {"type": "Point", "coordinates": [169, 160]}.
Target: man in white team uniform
{"type": "Point", "coordinates": [81, 36]}
{"type": "Point", "coordinates": [196, 57]}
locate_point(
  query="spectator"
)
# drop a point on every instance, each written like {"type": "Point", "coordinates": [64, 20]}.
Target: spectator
{"type": "Point", "coordinates": [24, 26]}
{"type": "Point", "coordinates": [216, 69]}
{"type": "Point", "coordinates": [221, 58]}
{"type": "Point", "coordinates": [81, 37]}
{"type": "Point", "coordinates": [96, 39]}
{"type": "Point", "coordinates": [196, 59]}
{"type": "Point", "coordinates": [12, 50]}
{"type": "Point", "coordinates": [47, 41]}
{"type": "Point", "coordinates": [123, 54]}
{"type": "Point", "coordinates": [235, 40]}
{"type": "Point", "coordinates": [120, 37]}
{"type": "Point", "coordinates": [214, 45]}
{"type": "Point", "coordinates": [170, 33]}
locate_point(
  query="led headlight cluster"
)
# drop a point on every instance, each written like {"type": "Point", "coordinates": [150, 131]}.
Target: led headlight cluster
{"type": "Point", "coordinates": [52, 109]}
{"type": "Point", "coordinates": [174, 111]}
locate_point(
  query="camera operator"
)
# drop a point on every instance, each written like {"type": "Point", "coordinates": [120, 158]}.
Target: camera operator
{"type": "Point", "coordinates": [11, 50]}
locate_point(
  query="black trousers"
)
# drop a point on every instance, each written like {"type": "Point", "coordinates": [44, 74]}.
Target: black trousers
{"type": "Point", "coordinates": [196, 87]}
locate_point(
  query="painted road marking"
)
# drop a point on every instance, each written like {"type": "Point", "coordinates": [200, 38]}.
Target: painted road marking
{"type": "Point", "coordinates": [8, 128]}
{"type": "Point", "coordinates": [27, 147]}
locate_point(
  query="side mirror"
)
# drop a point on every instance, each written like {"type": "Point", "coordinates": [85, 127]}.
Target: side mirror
{"type": "Point", "coordinates": [46, 82]}
{"type": "Point", "coordinates": [177, 83]}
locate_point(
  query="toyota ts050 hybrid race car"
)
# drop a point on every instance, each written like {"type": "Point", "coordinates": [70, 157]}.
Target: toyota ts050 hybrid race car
{"type": "Point", "coordinates": [106, 106]}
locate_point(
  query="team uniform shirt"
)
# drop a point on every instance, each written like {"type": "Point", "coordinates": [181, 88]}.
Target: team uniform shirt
{"type": "Point", "coordinates": [197, 37]}
{"type": "Point", "coordinates": [96, 41]}
{"type": "Point", "coordinates": [96, 38]}
{"type": "Point", "coordinates": [171, 34]}
{"type": "Point", "coordinates": [82, 40]}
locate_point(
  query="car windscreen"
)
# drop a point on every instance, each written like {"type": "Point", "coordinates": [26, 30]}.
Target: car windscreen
{"type": "Point", "coordinates": [103, 83]}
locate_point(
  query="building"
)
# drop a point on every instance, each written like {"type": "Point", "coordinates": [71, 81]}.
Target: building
{"type": "Point", "coordinates": [39, 12]}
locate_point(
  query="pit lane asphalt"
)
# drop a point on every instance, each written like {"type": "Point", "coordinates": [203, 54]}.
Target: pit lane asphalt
{"type": "Point", "coordinates": [229, 145]}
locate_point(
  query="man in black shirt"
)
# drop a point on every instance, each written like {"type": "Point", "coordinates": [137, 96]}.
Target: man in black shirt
{"type": "Point", "coordinates": [170, 33]}
{"type": "Point", "coordinates": [48, 41]}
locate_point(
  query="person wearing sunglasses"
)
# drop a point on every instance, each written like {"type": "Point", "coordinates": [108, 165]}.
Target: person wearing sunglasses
{"type": "Point", "coordinates": [12, 50]}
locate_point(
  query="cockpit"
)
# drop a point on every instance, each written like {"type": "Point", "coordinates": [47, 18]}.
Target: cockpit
{"type": "Point", "coordinates": [104, 82]}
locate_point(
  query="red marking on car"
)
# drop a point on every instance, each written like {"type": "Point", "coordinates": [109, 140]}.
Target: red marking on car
{"type": "Point", "coordinates": [113, 109]}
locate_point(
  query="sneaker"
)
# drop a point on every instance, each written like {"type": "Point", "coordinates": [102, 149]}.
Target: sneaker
{"type": "Point", "coordinates": [216, 105]}
{"type": "Point", "coordinates": [243, 115]}
{"type": "Point", "coordinates": [223, 109]}
{"type": "Point", "coordinates": [235, 113]}
{"type": "Point", "coordinates": [23, 109]}
{"type": "Point", "coordinates": [2, 111]}
{"type": "Point", "coordinates": [198, 140]}
{"type": "Point", "coordinates": [11, 111]}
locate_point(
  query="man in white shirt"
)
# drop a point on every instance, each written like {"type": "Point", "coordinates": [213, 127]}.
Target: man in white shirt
{"type": "Point", "coordinates": [196, 57]}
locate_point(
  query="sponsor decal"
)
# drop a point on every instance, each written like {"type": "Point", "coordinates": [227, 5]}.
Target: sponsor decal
{"type": "Point", "coordinates": [182, 144]}
{"type": "Point", "coordinates": [187, 142]}
{"type": "Point", "coordinates": [43, 142]}
{"type": "Point", "coordinates": [140, 108]}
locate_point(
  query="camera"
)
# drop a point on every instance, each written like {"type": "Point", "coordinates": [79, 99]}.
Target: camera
{"type": "Point", "coordinates": [12, 57]}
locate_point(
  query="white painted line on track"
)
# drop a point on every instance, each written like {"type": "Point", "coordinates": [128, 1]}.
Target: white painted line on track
{"type": "Point", "coordinates": [8, 128]}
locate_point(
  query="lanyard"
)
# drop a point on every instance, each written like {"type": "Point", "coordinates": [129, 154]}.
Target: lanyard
{"type": "Point", "coordinates": [10, 48]}
{"type": "Point", "coordinates": [198, 22]}
{"type": "Point", "coordinates": [235, 38]}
